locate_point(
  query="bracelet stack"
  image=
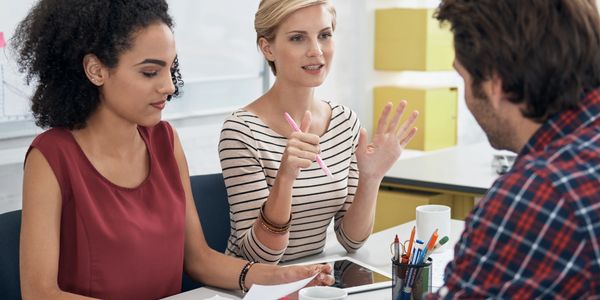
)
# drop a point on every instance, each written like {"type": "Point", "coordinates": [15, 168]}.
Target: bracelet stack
{"type": "Point", "coordinates": [243, 273]}
{"type": "Point", "coordinates": [272, 227]}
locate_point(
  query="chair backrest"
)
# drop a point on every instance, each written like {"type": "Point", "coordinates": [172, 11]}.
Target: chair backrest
{"type": "Point", "coordinates": [10, 228]}
{"type": "Point", "coordinates": [210, 196]}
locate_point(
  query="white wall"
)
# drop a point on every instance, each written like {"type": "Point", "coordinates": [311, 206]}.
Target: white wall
{"type": "Point", "coordinates": [350, 83]}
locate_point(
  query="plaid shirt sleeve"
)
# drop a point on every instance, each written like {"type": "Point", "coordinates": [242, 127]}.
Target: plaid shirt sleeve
{"type": "Point", "coordinates": [521, 241]}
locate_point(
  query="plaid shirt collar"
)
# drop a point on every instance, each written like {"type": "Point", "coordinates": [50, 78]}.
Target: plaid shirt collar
{"type": "Point", "coordinates": [565, 123]}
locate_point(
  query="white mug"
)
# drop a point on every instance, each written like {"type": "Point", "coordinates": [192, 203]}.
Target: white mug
{"type": "Point", "coordinates": [322, 293]}
{"type": "Point", "coordinates": [430, 218]}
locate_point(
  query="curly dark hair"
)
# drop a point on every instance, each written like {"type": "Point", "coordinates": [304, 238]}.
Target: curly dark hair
{"type": "Point", "coordinates": [51, 42]}
{"type": "Point", "coordinates": [547, 52]}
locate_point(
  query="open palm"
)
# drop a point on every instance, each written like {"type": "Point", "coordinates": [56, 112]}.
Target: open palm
{"type": "Point", "coordinates": [376, 158]}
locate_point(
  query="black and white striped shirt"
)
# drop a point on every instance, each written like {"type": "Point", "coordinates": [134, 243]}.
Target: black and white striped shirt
{"type": "Point", "coordinates": [250, 154]}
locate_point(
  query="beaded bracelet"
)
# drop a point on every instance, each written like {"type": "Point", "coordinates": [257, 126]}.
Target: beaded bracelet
{"type": "Point", "coordinates": [272, 227]}
{"type": "Point", "coordinates": [243, 274]}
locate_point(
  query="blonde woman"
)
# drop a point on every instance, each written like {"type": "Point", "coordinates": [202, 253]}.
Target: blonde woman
{"type": "Point", "coordinates": [281, 201]}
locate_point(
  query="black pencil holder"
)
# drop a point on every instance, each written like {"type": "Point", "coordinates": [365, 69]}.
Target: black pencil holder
{"type": "Point", "coordinates": [411, 281]}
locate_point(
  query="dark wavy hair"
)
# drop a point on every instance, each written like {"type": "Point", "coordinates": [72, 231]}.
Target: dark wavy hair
{"type": "Point", "coordinates": [547, 52]}
{"type": "Point", "coordinates": [51, 42]}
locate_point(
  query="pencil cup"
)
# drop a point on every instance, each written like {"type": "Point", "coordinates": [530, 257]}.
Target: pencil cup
{"type": "Point", "coordinates": [410, 281]}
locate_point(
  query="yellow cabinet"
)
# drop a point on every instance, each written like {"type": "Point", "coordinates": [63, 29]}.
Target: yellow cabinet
{"type": "Point", "coordinates": [437, 113]}
{"type": "Point", "coordinates": [411, 39]}
{"type": "Point", "coordinates": [395, 207]}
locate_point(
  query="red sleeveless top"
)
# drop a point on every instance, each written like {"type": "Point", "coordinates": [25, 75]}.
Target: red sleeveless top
{"type": "Point", "coordinates": [116, 242]}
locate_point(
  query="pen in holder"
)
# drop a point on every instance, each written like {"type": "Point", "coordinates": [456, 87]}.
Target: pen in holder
{"type": "Point", "coordinates": [410, 281]}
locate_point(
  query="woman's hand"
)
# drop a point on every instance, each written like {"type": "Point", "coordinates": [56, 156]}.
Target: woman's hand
{"type": "Point", "coordinates": [376, 158]}
{"type": "Point", "coordinates": [301, 150]}
{"type": "Point", "coordinates": [299, 272]}
{"type": "Point", "coordinates": [324, 276]}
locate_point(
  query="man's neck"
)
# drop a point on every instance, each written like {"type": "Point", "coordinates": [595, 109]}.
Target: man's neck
{"type": "Point", "coordinates": [524, 129]}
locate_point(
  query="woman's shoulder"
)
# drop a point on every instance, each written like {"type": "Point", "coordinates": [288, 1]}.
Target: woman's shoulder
{"type": "Point", "coordinates": [342, 113]}
{"type": "Point", "coordinates": [52, 136]}
{"type": "Point", "coordinates": [58, 147]}
{"type": "Point", "coordinates": [242, 115]}
{"type": "Point", "coordinates": [243, 120]}
{"type": "Point", "coordinates": [239, 125]}
{"type": "Point", "coordinates": [158, 133]}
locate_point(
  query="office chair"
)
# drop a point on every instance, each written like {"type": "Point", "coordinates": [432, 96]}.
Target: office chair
{"type": "Point", "coordinates": [10, 228]}
{"type": "Point", "coordinates": [210, 196]}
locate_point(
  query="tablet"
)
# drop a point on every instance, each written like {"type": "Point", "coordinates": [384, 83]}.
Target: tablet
{"type": "Point", "coordinates": [355, 276]}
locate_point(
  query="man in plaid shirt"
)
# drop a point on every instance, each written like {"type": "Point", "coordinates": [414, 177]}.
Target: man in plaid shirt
{"type": "Point", "coordinates": [531, 70]}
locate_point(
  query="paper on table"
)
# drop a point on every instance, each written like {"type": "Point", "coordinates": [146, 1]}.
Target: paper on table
{"type": "Point", "coordinates": [262, 292]}
{"type": "Point", "coordinates": [440, 260]}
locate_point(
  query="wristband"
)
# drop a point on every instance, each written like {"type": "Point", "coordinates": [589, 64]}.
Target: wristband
{"type": "Point", "coordinates": [243, 273]}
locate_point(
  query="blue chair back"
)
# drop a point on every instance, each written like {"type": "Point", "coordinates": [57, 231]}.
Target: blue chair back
{"type": "Point", "coordinates": [210, 196]}
{"type": "Point", "coordinates": [10, 229]}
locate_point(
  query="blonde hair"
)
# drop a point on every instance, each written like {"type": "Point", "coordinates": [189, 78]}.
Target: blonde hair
{"type": "Point", "coordinates": [271, 13]}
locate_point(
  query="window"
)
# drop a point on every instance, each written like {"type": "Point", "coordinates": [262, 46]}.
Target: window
{"type": "Point", "coordinates": [220, 63]}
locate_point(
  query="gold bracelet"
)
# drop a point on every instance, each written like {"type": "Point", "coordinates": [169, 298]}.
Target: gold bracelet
{"type": "Point", "coordinates": [266, 227]}
{"type": "Point", "coordinates": [272, 227]}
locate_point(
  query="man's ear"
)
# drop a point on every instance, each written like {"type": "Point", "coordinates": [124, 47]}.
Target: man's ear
{"type": "Point", "coordinates": [494, 90]}
{"type": "Point", "coordinates": [94, 69]}
{"type": "Point", "coordinates": [265, 48]}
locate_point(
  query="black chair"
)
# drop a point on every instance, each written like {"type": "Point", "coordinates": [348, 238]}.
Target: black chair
{"type": "Point", "coordinates": [210, 196]}
{"type": "Point", "coordinates": [10, 228]}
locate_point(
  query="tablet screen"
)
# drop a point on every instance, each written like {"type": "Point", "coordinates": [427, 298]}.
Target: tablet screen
{"type": "Point", "coordinates": [350, 275]}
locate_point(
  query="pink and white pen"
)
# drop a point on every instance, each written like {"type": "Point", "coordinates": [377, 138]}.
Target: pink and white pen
{"type": "Point", "coordinates": [295, 127]}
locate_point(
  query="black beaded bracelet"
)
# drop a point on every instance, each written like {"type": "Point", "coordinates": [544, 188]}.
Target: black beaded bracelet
{"type": "Point", "coordinates": [243, 274]}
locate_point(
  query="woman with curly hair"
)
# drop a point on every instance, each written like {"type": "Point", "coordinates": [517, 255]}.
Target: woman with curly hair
{"type": "Point", "coordinates": [107, 204]}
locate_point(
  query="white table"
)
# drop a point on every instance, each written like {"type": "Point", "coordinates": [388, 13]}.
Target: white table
{"type": "Point", "coordinates": [461, 169]}
{"type": "Point", "coordinates": [375, 252]}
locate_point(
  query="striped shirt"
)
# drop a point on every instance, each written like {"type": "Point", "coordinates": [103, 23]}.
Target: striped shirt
{"type": "Point", "coordinates": [536, 233]}
{"type": "Point", "coordinates": [250, 154]}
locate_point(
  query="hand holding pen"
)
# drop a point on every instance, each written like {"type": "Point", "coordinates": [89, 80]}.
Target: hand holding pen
{"type": "Point", "coordinates": [305, 126]}
{"type": "Point", "coordinates": [302, 148]}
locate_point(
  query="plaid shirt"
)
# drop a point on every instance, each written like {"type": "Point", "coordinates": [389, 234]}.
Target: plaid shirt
{"type": "Point", "coordinates": [536, 233]}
